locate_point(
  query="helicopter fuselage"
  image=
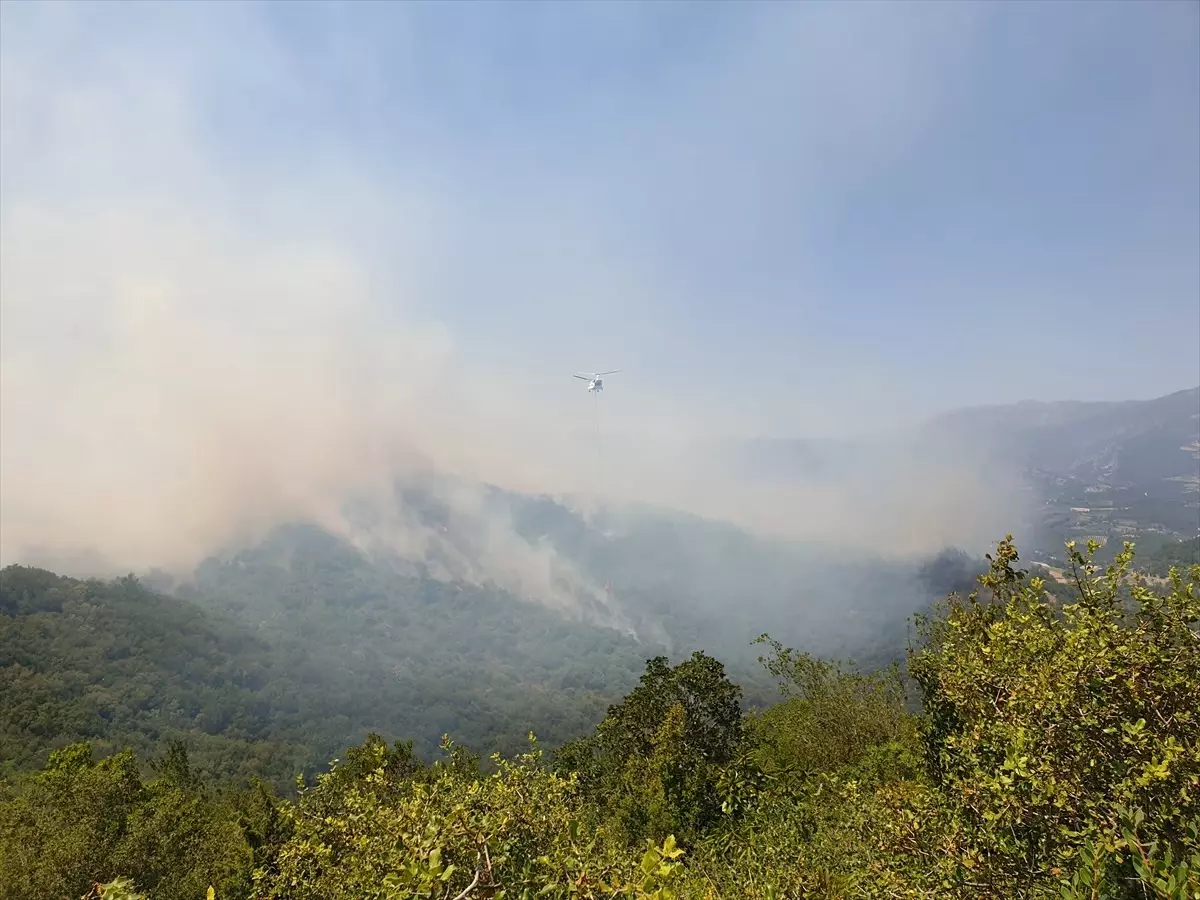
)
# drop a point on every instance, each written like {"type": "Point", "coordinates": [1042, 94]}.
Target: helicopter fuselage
{"type": "Point", "coordinates": [595, 380]}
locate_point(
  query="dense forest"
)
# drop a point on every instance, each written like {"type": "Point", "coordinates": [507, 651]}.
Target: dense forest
{"type": "Point", "coordinates": [118, 664]}
{"type": "Point", "coordinates": [1055, 754]}
{"type": "Point", "coordinates": [271, 661]}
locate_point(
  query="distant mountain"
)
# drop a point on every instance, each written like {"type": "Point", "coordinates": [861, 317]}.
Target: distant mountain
{"type": "Point", "coordinates": [1110, 471]}
{"type": "Point", "coordinates": [1153, 444]}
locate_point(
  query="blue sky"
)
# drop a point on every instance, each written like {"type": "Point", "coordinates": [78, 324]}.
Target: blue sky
{"type": "Point", "coordinates": [254, 256]}
{"type": "Point", "coordinates": [840, 213]}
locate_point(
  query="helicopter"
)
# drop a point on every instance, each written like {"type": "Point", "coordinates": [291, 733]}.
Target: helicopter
{"type": "Point", "coordinates": [595, 380]}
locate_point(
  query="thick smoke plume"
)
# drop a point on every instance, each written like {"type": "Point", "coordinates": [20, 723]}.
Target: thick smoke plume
{"type": "Point", "coordinates": [194, 353]}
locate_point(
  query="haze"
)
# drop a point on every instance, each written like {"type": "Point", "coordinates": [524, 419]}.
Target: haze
{"type": "Point", "coordinates": [256, 259]}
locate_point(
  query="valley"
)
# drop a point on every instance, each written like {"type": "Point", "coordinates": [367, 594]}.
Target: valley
{"type": "Point", "coordinates": [599, 450]}
{"type": "Point", "coordinates": [321, 638]}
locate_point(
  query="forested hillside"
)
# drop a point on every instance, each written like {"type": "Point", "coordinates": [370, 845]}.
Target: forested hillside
{"type": "Point", "coordinates": [117, 665]}
{"type": "Point", "coordinates": [1056, 755]}
{"type": "Point", "coordinates": [120, 665]}
{"type": "Point", "coordinates": [274, 659]}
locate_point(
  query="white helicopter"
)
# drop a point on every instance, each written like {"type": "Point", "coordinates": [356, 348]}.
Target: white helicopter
{"type": "Point", "coordinates": [595, 380]}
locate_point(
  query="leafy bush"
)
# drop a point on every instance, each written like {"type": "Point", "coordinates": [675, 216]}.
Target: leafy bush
{"type": "Point", "coordinates": [1041, 723]}
{"type": "Point", "coordinates": [514, 833]}
{"type": "Point", "coordinates": [832, 715]}
{"type": "Point", "coordinates": [82, 821]}
{"type": "Point", "coordinates": [653, 765]}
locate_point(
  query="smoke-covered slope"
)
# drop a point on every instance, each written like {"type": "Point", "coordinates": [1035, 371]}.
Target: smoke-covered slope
{"type": "Point", "coordinates": [1147, 444]}
{"type": "Point", "coordinates": [1113, 471]}
{"type": "Point", "coordinates": [648, 579]}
